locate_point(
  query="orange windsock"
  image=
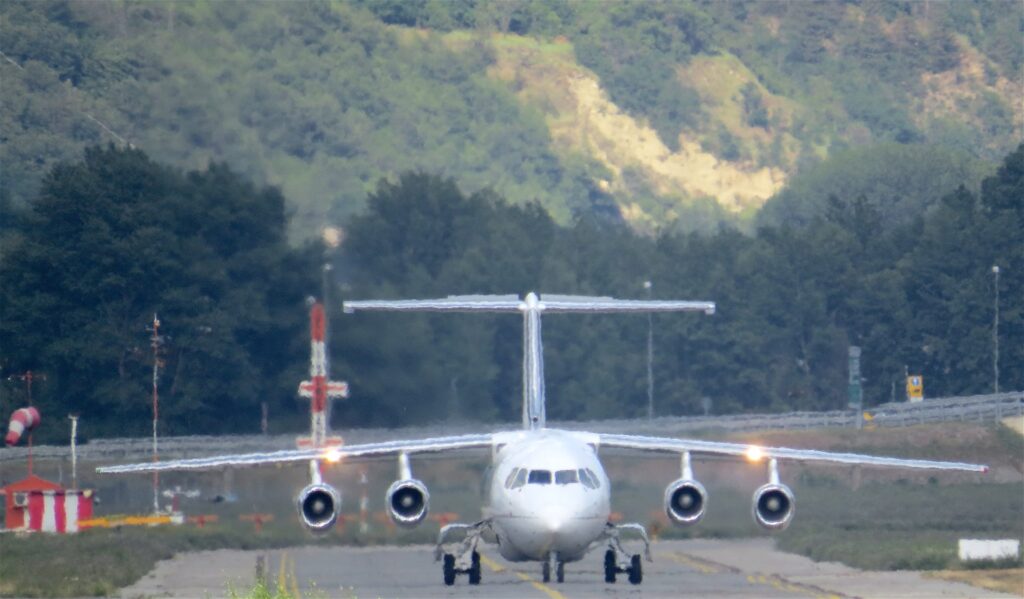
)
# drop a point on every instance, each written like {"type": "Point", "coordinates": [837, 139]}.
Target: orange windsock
{"type": "Point", "coordinates": [23, 419]}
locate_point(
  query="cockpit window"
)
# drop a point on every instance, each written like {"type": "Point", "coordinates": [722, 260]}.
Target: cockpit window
{"type": "Point", "coordinates": [520, 478]}
{"type": "Point", "coordinates": [566, 477]}
{"type": "Point", "coordinates": [593, 477]}
{"type": "Point", "coordinates": [586, 480]}
{"type": "Point", "coordinates": [540, 477]}
{"type": "Point", "coordinates": [511, 478]}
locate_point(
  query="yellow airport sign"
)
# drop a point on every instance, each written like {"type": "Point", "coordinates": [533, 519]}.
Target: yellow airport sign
{"type": "Point", "coordinates": [915, 388]}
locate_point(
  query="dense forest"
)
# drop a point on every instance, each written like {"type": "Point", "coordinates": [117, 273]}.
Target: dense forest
{"type": "Point", "coordinates": [116, 237]}
{"type": "Point", "coordinates": [322, 99]}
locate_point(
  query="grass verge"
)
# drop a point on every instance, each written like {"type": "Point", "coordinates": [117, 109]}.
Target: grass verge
{"type": "Point", "coordinates": [99, 562]}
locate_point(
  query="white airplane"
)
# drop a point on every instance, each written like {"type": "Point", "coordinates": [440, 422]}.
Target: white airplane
{"type": "Point", "coordinates": [548, 497]}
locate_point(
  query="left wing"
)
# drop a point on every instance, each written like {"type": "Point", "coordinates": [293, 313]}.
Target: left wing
{"type": "Point", "coordinates": [327, 454]}
{"type": "Point", "coordinates": [757, 453]}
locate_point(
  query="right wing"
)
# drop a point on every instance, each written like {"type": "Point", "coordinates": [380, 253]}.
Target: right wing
{"type": "Point", "coordinates": [327, 454]}
{"type": "Point", "coordinates": [758, 453]}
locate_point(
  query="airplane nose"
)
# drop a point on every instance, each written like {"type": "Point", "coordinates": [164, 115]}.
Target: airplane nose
{"type": "Point", "coordinates": [555, 518]}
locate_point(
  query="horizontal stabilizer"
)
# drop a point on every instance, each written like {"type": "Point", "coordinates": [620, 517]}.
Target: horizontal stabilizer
{"type": "Point", "coordinates": [454, 303]}
{"type": "Point", "coordinates": [578, 303]}
{"type": "Point", "coordinates": [511, 303]}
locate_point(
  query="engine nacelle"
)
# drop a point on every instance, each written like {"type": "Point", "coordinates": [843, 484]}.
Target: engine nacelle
{"type": "Point", "coordinates": [408, 502]}
{"type": "Point", "coordinates": [319, 505]}
{"type": "Point", "coordinates": [685, 501]}
{"type": "Point", "coordinates": [773, 506]}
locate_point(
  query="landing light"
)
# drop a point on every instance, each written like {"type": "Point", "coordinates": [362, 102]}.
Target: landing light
{"type": "Point", "coordinates": [754, 453]}
{"type": "Point", "coordinates": [333, 456]}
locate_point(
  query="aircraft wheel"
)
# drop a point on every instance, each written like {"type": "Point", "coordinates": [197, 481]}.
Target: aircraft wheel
{"type": "Point", "coordinates": [474, 569]}
{"type": "Point", "coordinates": [609, 566]}
{"type": "Point", "coordinates": [546, 571]}
{"type": "Point", "coordinates": [449, 569]}
{"type": "Point", "coordinates": [560, 572]}
{"type": "Point", "coordinates": [636, 572]}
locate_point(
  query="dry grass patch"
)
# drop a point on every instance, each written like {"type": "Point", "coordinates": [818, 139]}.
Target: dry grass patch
{"type": "Point", "coordinates": [1009, 580]}
{"type": "Point", "coordinates": [583, 120]}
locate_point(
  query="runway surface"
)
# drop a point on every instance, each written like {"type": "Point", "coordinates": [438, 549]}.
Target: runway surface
{"type": "Point", "coordinates": [697, 568]}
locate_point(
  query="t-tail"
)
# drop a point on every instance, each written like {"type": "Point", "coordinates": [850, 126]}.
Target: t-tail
{"type": "Point", "coordinates": [531, 308]}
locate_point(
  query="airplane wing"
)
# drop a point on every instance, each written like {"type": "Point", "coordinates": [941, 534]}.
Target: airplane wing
{"type": "Point", "coordinates": [630, 442]}
{"type": "Point", "coordinates": [757, 453]}
{"type": "Point", "coordinates": [327, 454]}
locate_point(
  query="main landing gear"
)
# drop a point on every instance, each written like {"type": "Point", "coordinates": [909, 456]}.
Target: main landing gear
{"type": "Point", "coordinates": [449, 569]}
{"type": "Point", "coordinates": [618, 561]}
{"type": "Point", "coordinates": [611, 568]}
{"type": "Point", "coordinates": [465, 559]}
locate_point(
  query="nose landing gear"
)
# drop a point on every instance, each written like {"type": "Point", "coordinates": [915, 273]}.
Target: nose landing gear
{"type": "Point", "coordinates": [553, 563]}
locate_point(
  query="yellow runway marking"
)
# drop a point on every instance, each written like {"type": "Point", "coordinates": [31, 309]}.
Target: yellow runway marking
{"type": "Point", "coordinates": [286, 573]}
{"type": "Point", "coordinates": [282, 576]}
{"type": "Point", "coordinates": [490, 563]}
{"type": "Point", "coordinates": [295, 583]}
{"type": "Point", "coordinates": [790, 587]}
{"type": "Point", "coordinates": [540, 586]}
{"type": "Point", "coordinates": [700, 565]}
{"type": "Point", "coordinates": [777, 582]}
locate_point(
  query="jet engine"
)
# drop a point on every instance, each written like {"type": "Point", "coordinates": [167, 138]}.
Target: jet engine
{"type": "Point", "coordinates": [408, 502]}
{"type": "Point", "coordinates": [319, 505]}
{"type": "Point", "coordinates": [773, 506]}
{"type": "Point", "coordinates": [685, 500]}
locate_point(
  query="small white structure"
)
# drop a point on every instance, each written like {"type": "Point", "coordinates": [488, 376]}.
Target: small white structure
{"type": "Point", "coordinates": [980, 549]}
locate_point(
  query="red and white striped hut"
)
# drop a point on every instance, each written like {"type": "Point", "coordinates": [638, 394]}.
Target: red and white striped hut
{"type": "Point", "coordinates": [38, 504]}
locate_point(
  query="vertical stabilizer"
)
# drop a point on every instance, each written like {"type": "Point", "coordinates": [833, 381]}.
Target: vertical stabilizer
{"type": "Point", "coordinates": [533, 365]}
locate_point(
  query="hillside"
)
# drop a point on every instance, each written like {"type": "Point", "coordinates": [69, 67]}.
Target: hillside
{"type": "Point", "coordinates": [583, 120]}
{"type": "Point", "coordinates": [670, 115]}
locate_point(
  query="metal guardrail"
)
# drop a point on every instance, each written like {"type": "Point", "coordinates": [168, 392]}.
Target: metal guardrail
{"type": "Point", "coordinates": [975, 408]}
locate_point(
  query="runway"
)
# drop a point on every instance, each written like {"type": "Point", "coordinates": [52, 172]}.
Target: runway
{"type": "Point", "coordinates": [749, 568]}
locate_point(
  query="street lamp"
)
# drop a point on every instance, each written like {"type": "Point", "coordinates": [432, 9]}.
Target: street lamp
{"type": "Point", "coordinates": [995, 332]}
{"type": "Point", "coordinates": [650, 358]}
{"type": "Point", "coordinates": [332, 238]}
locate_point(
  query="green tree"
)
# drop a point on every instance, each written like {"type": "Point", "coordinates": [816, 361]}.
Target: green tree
{"type": "Point", "coordinates": [902, 181]}
{"type": "Point", "coordinates": [753, 106]}
{"type": "Point", "coordinates": [116, 238]}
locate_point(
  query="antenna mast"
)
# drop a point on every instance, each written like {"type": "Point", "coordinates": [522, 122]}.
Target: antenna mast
{"type": "Point", "coordinates": [155, 342]}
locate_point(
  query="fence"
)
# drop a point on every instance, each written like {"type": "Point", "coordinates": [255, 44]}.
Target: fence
{"type": "Point", "coordinates": [975, 408]}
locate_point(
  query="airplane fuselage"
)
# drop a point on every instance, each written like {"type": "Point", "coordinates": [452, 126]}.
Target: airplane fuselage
{"type": "Point", "coordinates": [548, 493]}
